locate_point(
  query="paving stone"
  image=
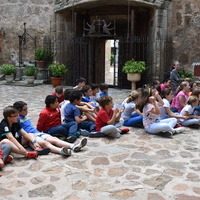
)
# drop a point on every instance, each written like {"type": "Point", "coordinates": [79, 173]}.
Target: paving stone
{"type": "Point", "coordinates": [5, 192]}
{"type": "Point", "coordinates": [100, 161]}
{"type": "Point", "coordinates": [79, 186]}
{"type": "Point", "coordinates": [158, 182]}
{"type": "Point", "coordinates": [119, 158]}
{"type": "Point", "coordinates": [180, 187]}
{"type": "Point", "coordinates": [37, 180]}
{"type": "Point", "coordinates": [196, 190]}
{"type": "Point", "coordinates": [117, 171]}
{"type": "Point", "coordinates": [44, 191]}
{"type": "Point", "coordinates": [53, 170]}
{"type": "Point", "coordinates": [186, 197]}
{"type": "Point", "coordinates": [154, 196]}
{"type": "Point", "coordinates": [123, 194]}
{"type": "Point", "coordinates": [36, 166]}
{"type": "Point", "coordinates": [173, 172]}
{"type": "Point", "coordinates": [193, 177]}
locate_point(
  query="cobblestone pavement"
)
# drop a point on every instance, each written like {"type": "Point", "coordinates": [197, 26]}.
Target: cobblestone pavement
{"type": "Point", "coordinates": [136, 166]}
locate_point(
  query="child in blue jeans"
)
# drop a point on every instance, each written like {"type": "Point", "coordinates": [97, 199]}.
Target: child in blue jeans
{"type": "Point", "coordinates": [5, 156]}
{"type": "Point", "coordinates": [130, 115]}
{"type": "Point", "coordinates": [73, 114]}
{"type": "Point", "coordinates": [193, 120]}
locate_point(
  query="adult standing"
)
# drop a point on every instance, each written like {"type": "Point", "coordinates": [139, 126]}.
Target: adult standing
{"type": "Point", "coordinates": [174, 76]}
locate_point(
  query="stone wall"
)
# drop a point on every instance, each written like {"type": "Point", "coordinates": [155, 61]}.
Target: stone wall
{"type": "Point", "coordinates": [185, 31]}
{"type": "Point", "coordinates": [36, 13]}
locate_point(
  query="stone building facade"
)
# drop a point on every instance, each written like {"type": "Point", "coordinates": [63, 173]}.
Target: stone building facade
{"type": "Point", "coordinates": [185, 31]}
{"type": "Point", "coordinates": [173, 29]}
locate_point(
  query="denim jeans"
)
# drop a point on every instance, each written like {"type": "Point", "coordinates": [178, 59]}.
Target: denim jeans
{"type": "Point", "coordinates": [190, 122]}
{"type": "Point", "coordinates": [163, 125]}
{"type": "Point", "coordinates": [135, 119]}
{"type": "Point", "coordinates": [87, 125]}
{"type": "Point", "coordinates": [5, 150]}
{"type": "Point", "coordinates": [67, 129]}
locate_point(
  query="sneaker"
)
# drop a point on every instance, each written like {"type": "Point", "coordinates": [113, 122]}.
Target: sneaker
{"type": "Point", "coordinates": [31, 154]}
{"type": "Point", "coordinates": [84, 132]}
{"type": "Point", "coordinates": [79, 144]}
{"type": "Point", "coordinates": [179, 130]}
{"type": "Point", "coordinates": [70, 139]}
{"type": "Point", "coordinates": [124, 130]}
{"type": "Point", "coordinates": [65, 151]}
{"type": "Point", "coordinates": [167, 134]}
{"type": "Point", "coordinates": [9, 159]}
{"type": "Point", "coordinates": [43, 151]}
{"type": "Point", "coordinates": [194, 126]}
{"type": "Point", "coordinates": [96, 134]}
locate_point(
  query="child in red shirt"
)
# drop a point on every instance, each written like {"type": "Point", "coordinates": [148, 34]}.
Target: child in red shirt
{"type": "Point", "coordinates": [59, 94]}
{"type": "Point", "coordinates": [107, 118]}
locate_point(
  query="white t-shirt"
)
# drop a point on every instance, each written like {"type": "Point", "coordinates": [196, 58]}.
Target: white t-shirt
{"type": "Point", "coordinates": [128, 110]}
{"type": "Point", "coordinates": [63, 104]}
{"type": "Point", "coordinates": [164, 114]}
{"type": "Point", "coordinates": [187, 108]}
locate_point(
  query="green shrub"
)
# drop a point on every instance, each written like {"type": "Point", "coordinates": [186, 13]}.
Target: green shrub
{"type": "Point", "coordinates": [31, 71]}
{"type": "Point", "coordinates": [185, 74]}
{"type": "Point", "coordinates": [43, 54]}
{"type": "Point", "coordinates": [8, 69]}
{"type": "Point", "coordinates": [133, 66]}
{"type": "Point", "coordinates": [57, 70]}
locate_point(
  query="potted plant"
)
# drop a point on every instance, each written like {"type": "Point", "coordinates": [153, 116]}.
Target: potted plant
{"type": "Point", "coordinates": [134, 69]}
{"type": "Point", "coordinates": [57, 72]}
{"type": "Point", "coordinates": [8, 70]}
{"type": "Point", "coordinates": [30, 72]}
{"type": "Point", "coordinates": [42, 56]}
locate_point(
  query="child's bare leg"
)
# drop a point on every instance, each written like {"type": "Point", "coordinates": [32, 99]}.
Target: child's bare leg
{"type": "Point", "coordinates": [58, 142]}
{"type": "Point", "coordinates": [91, 116]}
{"type": "Point", "coordinates": [47, 144]}
{"type": "Point", "coordinates": [14, 148]}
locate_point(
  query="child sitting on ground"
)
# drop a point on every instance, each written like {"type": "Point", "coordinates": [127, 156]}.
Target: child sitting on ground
{"type": "Point", "coordinates": [103, 90]}
{"type": "Point", "coordinates": [107, 118]}
{"type": "Point", "coordinates": [188, 110]}
{"type": "Point", "coordinates": [80, 82]}
{"type": "Point", "coordinates": [95, 92]}
{"type": "Point", "coordinates": [50, 121]}
{"type": "Point", "coordinates": [11, 129]}
{"type": "Point", "coordinates": [83, 107]}
{"type": "Point", "coordinates": [149, 106]}
{"type": "Point", "coordinates": [131, 116]}
{"type": "Point", "coordinates": [59, 94]}
{"type": "Point", "coordinates": [87, 92]}
{"type": "Point", "coordinates": [5, 156]}
{"type": "Point", "coordinates": [72, 114]}
{"type": "Point", "coordinates": [45, 140]}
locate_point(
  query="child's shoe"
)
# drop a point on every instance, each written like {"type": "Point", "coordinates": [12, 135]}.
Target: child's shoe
{"type": "Point", "coordinates": [79, 144]}
{"type": "Point", "coordinates": [43, 151]}
{"type": "Point", "coordinates": [65, 151]}
{"type": "Point", "coordinates": [179, 130]}
{"type": "Point", "coordinates": [124, 130]}
{"type": "Point", "coordinates": [9, 159]}
{"type": "Point", "coordinates": [166, 134]}
{"type": "Point", "coordinates": [96, 134]}
{"type": "Point", "coordinates": [31, 154]}
{"type": "Point", "coordinates": [70, 139]}
{"type": "Point", "coordinates": [194, 126]}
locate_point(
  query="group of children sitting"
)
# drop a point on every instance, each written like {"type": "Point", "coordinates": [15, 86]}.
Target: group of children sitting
{"type": "Point", "coordinates": [85, 111]}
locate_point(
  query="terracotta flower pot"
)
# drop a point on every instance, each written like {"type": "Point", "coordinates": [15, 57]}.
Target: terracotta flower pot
{"type": "Point", "coordinates": [41, 63]}
{"type": "Point", "coordinates": [56, 81]}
